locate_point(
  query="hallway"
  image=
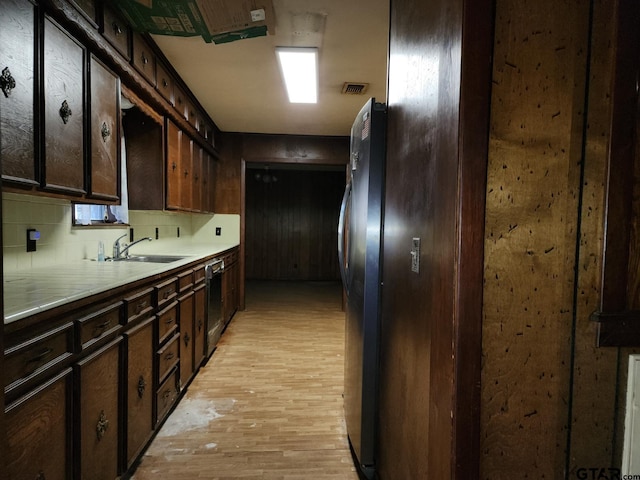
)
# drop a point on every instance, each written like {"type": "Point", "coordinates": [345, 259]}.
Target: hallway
{"type": "Point", "coordinates": [268, 404]}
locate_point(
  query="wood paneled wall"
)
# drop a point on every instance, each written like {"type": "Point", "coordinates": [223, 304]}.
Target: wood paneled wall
{"type": "Point", "coordinates": [291, 224]}
{"type": "Point", "coordinates": [439, 84]}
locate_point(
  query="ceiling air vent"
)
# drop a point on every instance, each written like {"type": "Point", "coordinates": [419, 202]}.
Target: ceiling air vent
{"type": "Point", "coordinates": [351, 88]}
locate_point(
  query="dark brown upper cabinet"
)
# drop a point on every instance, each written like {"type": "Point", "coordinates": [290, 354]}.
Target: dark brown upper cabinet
{"type": "Point", "coordinates": [17, 100]}
{"type": "Point", "coordinates": [64, 119]}
{"type": "Point", "coordinates": [144, 60]}
{"type": "Point", "coordinates": [88, 9]}
{"type": "Point", "coordinates": [117, 32]}
{"type": "Point", "coordinates": [165, 82]}
{"type": "Point", "coordinates": [104, 162]}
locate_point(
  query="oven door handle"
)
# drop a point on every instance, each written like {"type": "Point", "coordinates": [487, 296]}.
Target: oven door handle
{"type": "Point", "coordinates": [214, 269]}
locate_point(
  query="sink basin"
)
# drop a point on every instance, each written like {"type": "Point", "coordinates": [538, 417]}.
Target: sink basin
{"type": "Point", "coordinates": [150, 258]}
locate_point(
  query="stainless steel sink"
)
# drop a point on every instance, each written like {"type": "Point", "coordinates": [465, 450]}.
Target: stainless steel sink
{"type": "Point", "coordinates": [150, 258]}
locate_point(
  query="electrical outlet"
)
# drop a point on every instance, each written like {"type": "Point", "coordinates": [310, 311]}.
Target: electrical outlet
{"type": "Point", "coordinates": [178, 232]}
{"type": "Point", "coordinates": [157, 233]}
{"type": "Point", "coordinates": [218, 231]}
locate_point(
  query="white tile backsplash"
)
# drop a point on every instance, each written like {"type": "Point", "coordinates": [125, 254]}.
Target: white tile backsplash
{"type": "Point", "coordinates": [61, 243]}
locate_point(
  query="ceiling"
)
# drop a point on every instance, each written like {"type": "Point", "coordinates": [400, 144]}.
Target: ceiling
{"type": "Point", "coordinates": [240, 86]}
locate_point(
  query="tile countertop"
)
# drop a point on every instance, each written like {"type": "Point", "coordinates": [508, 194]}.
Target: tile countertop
{"type": "Point", "coordinates": [39, 289]}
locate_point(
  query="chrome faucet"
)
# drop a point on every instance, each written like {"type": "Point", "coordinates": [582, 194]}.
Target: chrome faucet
{"type": "Point", "coordinates": [120, 251]}
{"type": "Point", "coordinates": [116, 247]}
{"type": "Point", "coordinates": [124, 252]}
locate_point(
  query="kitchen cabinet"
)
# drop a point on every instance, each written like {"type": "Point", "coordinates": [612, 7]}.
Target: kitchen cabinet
{"type": "Point", "coordinates": [98, 391]}
{"type": "Point", "coordinates": [173, 165]}
{"type": "Point", "coordinates": [38, 437]}
{"type": "Point", "coordinates": [230, 285]}
{"type": "Point", "coordinates": [197, 178]}
{"type": "Point", "coordinates": [17, 100]}
{"type": "Point", "coordinates": [165, 82]}
{"type": "Point", "coordinates": [186, 172]}
{"type": "Point", "coordinates": [117, 32]}
{"type": "Point", "coordinates": [104, 164]}
{"type": "Point", "coordinates": [144, 60]}
{"type": "Point", "coordinates": [139, 388]}
{"type": "Point", "coordinates": [64, 124]}
{"type": "Point", "coordinates": [186, 338]}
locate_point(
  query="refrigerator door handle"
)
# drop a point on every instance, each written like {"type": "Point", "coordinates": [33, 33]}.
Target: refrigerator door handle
{"type": "Point", "coordinates": [343, 236]}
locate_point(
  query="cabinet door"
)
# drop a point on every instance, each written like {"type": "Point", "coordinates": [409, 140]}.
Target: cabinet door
{"type": "Point", "coordinates": [17, 79]}
{"type": "Point", "coordinates": [105, 135]}
{"type": "Point", "coordinates": [199, 324]}
{"type": "Point", "coordinates": [197, 178]}
{"type": "Point", "coordinates": [210, 187]}
{"type": "Point", "coordinates": [38, 438]}
{"type": "Point", "coordinates": [64, 61]}
{"type": "Point", "coordinates": [140, 390]}
{"type": "Point", "coordinates": [186, 165]}
{"type": "Point", "coordinates": [174, 142]}
{"type": "Point", "coordinates": [186, 337]}
{"type": "Point", "coordinates": [96, 438]}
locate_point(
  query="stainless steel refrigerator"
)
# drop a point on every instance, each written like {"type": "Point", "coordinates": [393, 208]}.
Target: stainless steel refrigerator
{"type": "Point", "coordinates": [359, 250]}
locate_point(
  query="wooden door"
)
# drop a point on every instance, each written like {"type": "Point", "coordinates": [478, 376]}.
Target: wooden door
{"type": "Point", "coordinates": [96, 439]}
{"type": "Point", "coordinates": [64, 61]}
{"type": "Point", "coordinates": [38, 432]}
{"type": "Point", "coordinates": [186, 166]}
{"type": "Point", "coordinates": [174, 143]}
{"type": "Point", "coordinates": [199, 327]}
{"type": "Point", "coordinates": [17, 79]}
{"type": "Point", "coordinates": [105, 132]}
{"type": "Point", "coordinates": [186, 337]}
{"type": "Point", "coordinates": [140, 392]}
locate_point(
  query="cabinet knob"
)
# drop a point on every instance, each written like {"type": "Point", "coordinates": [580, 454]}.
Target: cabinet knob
{"type": "Point", "coordinates": [7, 82]}
{"type": "Point", "coordinates": [144, 59]}
{"type": "Point", "coordinates": [105, 131]}
{"type": "Point", "coordinates": [186, 339]}
{"type": "Point", "coordinates": [117, 29]}
{"type": "Point", "coordinates": [40, 476]}
{"type": "Point", "coordinates": [65, 112]}
{"type": "Point", "coordinates": [102, 426]}
{"type": "Point", "coordinates": [141, 386]}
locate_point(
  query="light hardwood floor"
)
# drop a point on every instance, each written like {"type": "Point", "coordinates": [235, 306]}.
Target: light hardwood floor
{"type": "Point", "coordinates": [268, 404]}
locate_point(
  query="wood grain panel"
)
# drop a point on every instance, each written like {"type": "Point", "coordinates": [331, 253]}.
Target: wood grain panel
{"type": "Point", "coordinates": [64, 90]}
{"type": "Point", "coordinates": [291, 224]}
{"type": "Point", "coordinates": [537, 122]}
{"type": "Point", "coordinates": [593, 416]}
{"type": "Point", "coordinates": [17, 115]}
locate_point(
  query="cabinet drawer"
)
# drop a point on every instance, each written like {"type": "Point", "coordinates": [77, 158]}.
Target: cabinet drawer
{"type": "Point", "coordinates": [168, 357]}
{"type": "Point", "coordinates": [38, 355]}
{"type": "Point", "coordinates": [185, 281]}
{"type": "Point", "coordinates": [198, 274]}
{"type": "Point", "coordinates": [139, 305]}
{"type": "Point", "coordinates": [167, 321]}
{"type": "Point", "coordinates": [180, 101]}
{"type": "Point", "coordinates": [167, 395]}
{"type": "Point", "coordinates": [144, 60]}
{"type": "Point", "coordinates": [40, 422]}
{"type": "Point", "coordinates": [165, 83]}
{"type": "Point", "coordinates": [166, 292]}
{"type": "Point", "coordinates": [99, 326]}
{"type": "Point", "coordinates": [117, 32]}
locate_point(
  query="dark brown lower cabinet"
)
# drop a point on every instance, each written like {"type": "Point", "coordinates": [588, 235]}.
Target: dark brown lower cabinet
{"type": "Point", "coordinates": [186, 337]}
{"type": "Point", "coordinates": [97, 390]}
{"type": "Point", "coordinates": [38, 432]}
{"type": "Point", "coordinates": [139, 394]}
{"type": "Point", "coordinates": [199, 324]}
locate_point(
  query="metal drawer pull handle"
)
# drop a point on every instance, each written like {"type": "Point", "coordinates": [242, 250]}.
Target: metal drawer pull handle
{"type": "Point", "coordinates": [186, 339]}
{"type": "Point", "coordinates": [169, 356]}
{"type": "Point", "coordinates": [105, 131]}
{"type": "Point", "coordinates": [116, 28]}
{"type": "Point", "coordinates": [41, 356]}
{"type": "Point", "coordinates": [101, 427]}
{"type": "Point", "coordinates": [145, 60]}
{"type": "Point", "coordinates": [65, 112]}
{"type": "Point", "coordinates": [40, 476]}
{"type": "Point", "coordinates": [167, 293]}
{"type": "Point", "coordinates": [141, 386]}
{"type": "Point", "coordinates": [7, 82]}
{"type": "Point", "coordinates": [169, 321]}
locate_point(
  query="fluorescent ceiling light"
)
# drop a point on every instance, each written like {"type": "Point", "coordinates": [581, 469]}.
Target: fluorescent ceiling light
{"type": "Point", "coordinates": [299, 67]}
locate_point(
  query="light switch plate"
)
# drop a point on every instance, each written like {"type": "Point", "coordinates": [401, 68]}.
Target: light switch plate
{"type": "Point", "coordinates": [415, 255]}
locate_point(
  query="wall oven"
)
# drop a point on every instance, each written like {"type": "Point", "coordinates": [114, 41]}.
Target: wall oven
{"type": "Point", "coordinates": [215, 322]}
